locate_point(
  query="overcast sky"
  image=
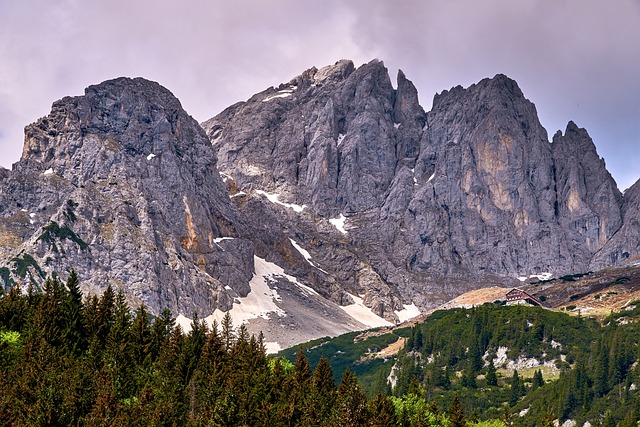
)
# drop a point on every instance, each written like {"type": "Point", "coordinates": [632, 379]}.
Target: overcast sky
{"type": "Point", "coordinates": [575, 59]}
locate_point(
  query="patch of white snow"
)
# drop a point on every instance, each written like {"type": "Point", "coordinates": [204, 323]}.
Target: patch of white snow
{"type": "Point", "coordinates": [184, 322]}
{"type": "Point", "coordinates": [225, 177]}
{"type": "Point", "coordinates": [216, 136]}
{"type": "Point", "coordinates": [541, 276]}
{"type": "Point", "coordinates": [151, 156]}
{"type": "Point", "coordinates": [340, 138]}
{"type": "Point", "coordinates": [238, 194]}
{"type": "Point", "coordinates": [339, 223]}
{"type": "Point", "coordinates": [220, 239]}
{"type": "Point", "coordinates": [408, 312]}
{"type": "Point", "coordinates": [396, 125]}
{"type": "Point", "coordinates": [305, 254]}
{"type": "Point", "coordinates": [48, 171]}
{"type": "Point", "coordinates": [363, 314]}
{"type": "Point", "coordinates": [261, 299]}
{"type": "Point", "coordinates": [274, 198]}
{"type": "Point", "coordinates": [433, 175]}
{"type": "Point", "coordinates": [281, 94]}
{"type": "Point", "coordinates": [272, 347]}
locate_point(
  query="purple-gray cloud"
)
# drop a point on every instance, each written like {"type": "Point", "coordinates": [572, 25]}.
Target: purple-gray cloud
{"type": "Point", "coordinates": [575, 59]}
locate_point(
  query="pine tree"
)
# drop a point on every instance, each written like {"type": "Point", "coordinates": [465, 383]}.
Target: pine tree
{"type": "Point", "coordinates": [74, 331]}
{"type": "Point", "coordinates": [141, 336]}
{"type": "Point", "coordinates": [351, 402]}
{"type": "Point", "coordinates": [609, 420]}
{"type": "Point", "coordinates": [517, 388]}
{"type": "Point", "coordinates": [456, 414]}
{"type": "Point", "coordinates": [382, 412]}
{"type": "Point", "coordinates": [492, 377]}
{"type": "Point", "coordinates": [469, 377]}
{"type": "Point", "coordinates": [538, 380]}
{"type": "Point", "coordinates": [323, 392]}
{"type": "Point", "coordinates": [161, 332]}
{"type": "Point", "coordinates": [227, 331]}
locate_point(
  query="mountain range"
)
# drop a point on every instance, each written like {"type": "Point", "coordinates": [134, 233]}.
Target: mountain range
{"type": "Point", "coordinates": [329, 203]}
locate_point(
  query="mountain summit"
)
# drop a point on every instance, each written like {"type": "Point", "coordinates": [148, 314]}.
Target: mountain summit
{"type": "Point", "coordinates": [332, 197]}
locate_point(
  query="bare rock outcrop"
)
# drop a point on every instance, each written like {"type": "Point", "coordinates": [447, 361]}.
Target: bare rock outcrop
{"type": "Point", "coordinates": [121, 184]}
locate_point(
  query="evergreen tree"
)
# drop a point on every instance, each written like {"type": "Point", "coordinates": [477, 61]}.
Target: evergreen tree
{"type": "Point", "coordinates": [323, 392]}
{"type": "Point", "coordinates": [601, 383]}
{"type": "Point", "coordinates": [227, 331]}
{"type": "Point", "coordinates": [609, 420]}
{"type": "Point", "coordinates": [517, 388]}
{"type": "Point", "coordinates": [351, 402]}
{"type": "Point", "coordinates": [382, 412]}
{"type": "Point", "coordinates": [161, 332]}
{"type": "Point", "coordinates": [141, 336]}
{"type": "Point", "coordinates": [538, 380]}
{"type": "Point", "coordinates": [492, 377]}
{"type": "Point", "coordinates": [456, 414]}
{"type": "Point", "coordinates": [469, 377]}
{"type": "Point", "coordinates": [74, 331]}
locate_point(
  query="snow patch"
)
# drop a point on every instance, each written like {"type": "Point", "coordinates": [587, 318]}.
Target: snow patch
{"type": "Point", "coordinates": [48, 172]}
{"type": "Point", "coordinates": [393, 375]}
{"type": "Point", "coordinates": [363, 314]}
{"type": "Point", "coordinates": [151, 156]}
{"type": "Point", "coordinates": [225, 177]}
{"type": "Point", "coordinates": [272, 347]}
{"type": "Point", "coordinates": [305, 254]}
{"type": "Point", "coordinates": [302, 251]}
{"type": "Point", "coordinates": [281, 94]}
{"type": "Point", "coordinates": [220, 239]}
{"type": "Point", "coordinates": [433, 175]}
{"type": "Point", "coordinates": [408, 312]}
{"type": "Point", "coordinates": [339, 223]}
{"type": "Point", "coordinates": [274, 198]}
{"type": "Point", "coordinates": [340, 138]}
{"type": "Point", "coordinates": [216, 136]}
{"type": "Point", "coordinates": [396, 125]}
{"type": "Point", "coordinates": [184, 322]}
{"type": "Point", "coordinates": [261, 299]}
{"type": "Point", "coordinates": [541, 276]}
{"type": "Point", "coordinates": [238, 194]}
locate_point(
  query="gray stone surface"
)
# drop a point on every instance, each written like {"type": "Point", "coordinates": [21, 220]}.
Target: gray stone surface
{"type": "Point", "coordinates": [134, 178]}
{"type": "Point", "coordinates": [469, 194]}
{"type": "Point", "coordinates": [122, 185]}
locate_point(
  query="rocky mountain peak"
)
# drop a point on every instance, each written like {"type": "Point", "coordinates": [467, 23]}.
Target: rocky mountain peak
{"type": "Point", "coordinates": [123, 167]}
{"type": "Point", "coordinates": [119, 119]}
{"type": "Point", "coordinates": [332, 196]}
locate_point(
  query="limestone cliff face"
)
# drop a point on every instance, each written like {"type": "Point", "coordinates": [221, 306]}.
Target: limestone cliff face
{"type": "Point", "coordinates": [434, 203]}
{"type": "Point", "coordinates": [336, 180]}
{"type": "Point", "coordinates": [122, 185]}
{"type": "Point", "coordinates": [624, 246]}
{"type": "Point", "coordinates": [589, 202]}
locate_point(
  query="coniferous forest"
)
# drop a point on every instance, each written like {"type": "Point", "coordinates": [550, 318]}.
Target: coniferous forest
{"type": "Point", "coordinates": [65, 361]}
{"type": "Point", "coordinates": [73, 361]}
